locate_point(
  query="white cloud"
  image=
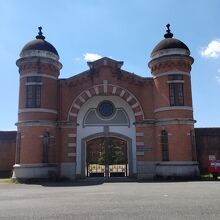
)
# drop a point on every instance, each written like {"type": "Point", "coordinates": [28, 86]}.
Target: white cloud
{"type": "Point", "coordinates": [212, 50]}
{"type": "Point", "coordinates": [77, 59]}
{"type": "Point", "coordinates": [218, 79]}
{"type": "Point", "coordinates": [91, 56]}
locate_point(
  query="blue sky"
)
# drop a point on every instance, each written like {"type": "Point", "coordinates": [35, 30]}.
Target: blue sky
{"type": "Point", "coordinates": [125, 30]}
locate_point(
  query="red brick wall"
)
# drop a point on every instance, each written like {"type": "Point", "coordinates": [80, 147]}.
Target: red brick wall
{"type": "Point", "coordinates": [207, 143]}
{"type": "Point", "coordinates": [59, 95]}
{"type": "Point", "coordinates": [31, 150]}
{"type": "Point", "coordinates": [7, 152]}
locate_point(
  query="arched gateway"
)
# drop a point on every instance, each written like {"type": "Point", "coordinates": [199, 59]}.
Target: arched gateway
{"type": "Point", "coordinates": [107, 156]}
{"type": "Point", "coordinates": [106, 137]}
{"type": "Point", "coordinates": [105, 121]}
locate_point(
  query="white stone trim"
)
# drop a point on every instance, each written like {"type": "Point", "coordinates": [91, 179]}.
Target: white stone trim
{"type": "Point", "coordinates": [39, 53]}
{"type": "Point", "coordinates": [140, 153]}
{"type": "Point", "coordinates": [173, 108]}
{"type": "Point", "coordinates": [42, 60]}
{"type": "Point", "coordinates": [114, 90]}
{"type": "Point", "coordinates": [140, 143]}
{"type": "Point", "coordinates": [137, 113]}
{"type": "Point", "coordinates": [88, 93]}
{"type": "Point", "coordinates": [96, 88]}
{"type": "Point", "coordinates": [175, 81]}
{"type": "Point", "coordinates": [36, 123]}
{"type": "Point", "coordinates": [144, 125]}
{"type": "Point", "coordinates": [71, 154]}
{"type": "Point", "coordinates": [149, 169]}
{"type": "Point", "coordinates": [173, 51]}
{"type": "Point", "coordinates": [33, 83]}
{"type": "Point", "coordinates": [41, 110]}
{"type": "Point", "coordinates": [175, 122]}
{"type": "Point", "coordinates": [87, 133]}
{"type": "Point", "coordinates": [66, 126]}
{"type": "Point", "coordinates": [100, 85]}
{"type": "Point", "coordinates": [68, 170]}
{"type": "Point", "coordinates": [81, 99]}
{"type": "Point", "coordinates": [171, 73]}
{"type": "Point", "coordinates": [177, 168]}
{"type": "Point", "coordinates": [31, 165]}
{"type": "Point", "coordinates": [129, 98]}
{"type": "Point", "coordinates": [134, 105]}
{"type": "Point", "coordinates": [38, 74]}
{"type": "Point", "coordinates": [71, 135]}
{"type": "Point", "coordinates": [73, 114]}
{"type": "Point", "coordinates": [71, 144]}
{"type": "Point", "coordinates": [28, 171]}
{"type": "Point", "coordinates": [122, 93]}
{"type": "Point", "coordinates": [76, 106]}
{"type": "Point", "coordinates": [139, 134]}
{"type": "Point", "coordinates": [166, 121]}
{"type": "Point", "coordinates": [174, 119]}
{"type": "Point", "coordinates": [177, 162]}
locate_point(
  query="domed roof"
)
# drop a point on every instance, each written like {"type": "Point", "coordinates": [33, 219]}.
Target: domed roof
{"type": "Point", "coordinates": [40, 44]}
{"type": "Point", "coordinates": [169, 42]}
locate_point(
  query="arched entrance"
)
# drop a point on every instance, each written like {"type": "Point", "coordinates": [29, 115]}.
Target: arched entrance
{"type": "Point", "coordinates": [111, 119]}
{"type": "Point", "coordinates": [106, 157]}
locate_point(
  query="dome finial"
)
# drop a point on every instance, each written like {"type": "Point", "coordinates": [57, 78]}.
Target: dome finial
{"type": "Point", "coordinates": [40, 34]}
{"type": "Point", "coordinates": [168, 34]}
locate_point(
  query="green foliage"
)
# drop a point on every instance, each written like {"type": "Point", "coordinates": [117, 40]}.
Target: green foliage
{"type": "Point", "coordinates": [107, 151]}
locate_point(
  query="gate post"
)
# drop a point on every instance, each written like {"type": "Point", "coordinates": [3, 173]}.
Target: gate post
{"type": "Point", "coordinates": [106, 144]}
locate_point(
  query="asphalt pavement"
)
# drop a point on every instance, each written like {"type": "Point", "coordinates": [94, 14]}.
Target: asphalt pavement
{"type": "Point", "coordinates": [112, 200]}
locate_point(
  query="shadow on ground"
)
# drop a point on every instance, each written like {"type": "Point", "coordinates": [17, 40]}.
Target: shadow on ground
{"type": "Point", "coordinates": [100, 181]}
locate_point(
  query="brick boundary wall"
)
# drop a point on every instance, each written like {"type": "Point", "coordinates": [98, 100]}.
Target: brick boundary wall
{"type": "Point", "coordinates": [7, 152]}
{"type": "Point", "coordinates": [207, 143]}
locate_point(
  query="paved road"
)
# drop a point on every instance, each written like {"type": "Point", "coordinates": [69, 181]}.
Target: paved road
{"type": "Point", "coordinates": [131, 200]}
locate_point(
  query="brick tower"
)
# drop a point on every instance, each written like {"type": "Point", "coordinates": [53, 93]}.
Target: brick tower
{"type": "Point", "coordinates": [170, 66]}
{"type": "Point", "coordinates": [39, 68]}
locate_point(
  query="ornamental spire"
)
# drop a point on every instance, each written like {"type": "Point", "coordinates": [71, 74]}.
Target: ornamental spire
{"type": "Point", "coordinates": [168, 34]}
{"type": "Point", "coordinates": [40, 34]}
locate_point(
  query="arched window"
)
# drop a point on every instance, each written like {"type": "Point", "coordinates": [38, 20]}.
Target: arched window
{"type": "Point", "coordinates": [46, 142]}
{"type": "Point", "coordinates": [164, 145]}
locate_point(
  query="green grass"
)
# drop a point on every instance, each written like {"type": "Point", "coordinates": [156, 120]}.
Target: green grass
{"type": "Point", "coordinates": [208, 177]}
{"type": "Point", "coordinates": [8, 181]}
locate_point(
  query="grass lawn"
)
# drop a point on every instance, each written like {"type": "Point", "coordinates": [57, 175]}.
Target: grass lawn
{"type": "Point", "coordinates": [7, 181]}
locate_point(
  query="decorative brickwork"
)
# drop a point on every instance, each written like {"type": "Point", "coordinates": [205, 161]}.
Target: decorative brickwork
{"type": "Point", "coordinates": [141, 109]}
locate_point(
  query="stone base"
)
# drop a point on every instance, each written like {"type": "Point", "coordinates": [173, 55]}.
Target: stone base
{"type": "Point", "coordinates": [169, 169]}
{"type": "Point", "coordinates": [68, 170]}
{"type": "Point", "coordinates": [34, 171]}
{"type": "Point", "coordinates": [176, 169]}
{"type": "Point", "coordinates": [146, 169]}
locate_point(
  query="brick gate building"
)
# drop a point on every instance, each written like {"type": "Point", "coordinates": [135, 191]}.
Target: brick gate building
{"type": "Point", "coordinates": [60, 119]}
